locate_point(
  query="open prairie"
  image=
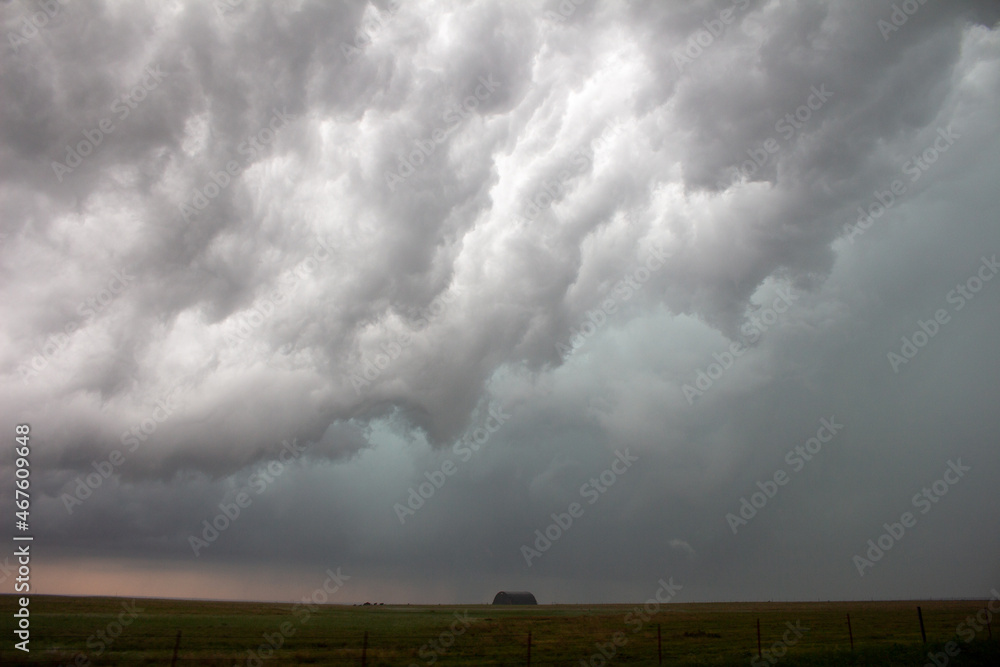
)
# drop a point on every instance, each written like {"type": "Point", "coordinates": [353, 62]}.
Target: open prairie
{"type": "Point", "coordinates": [118, 631]}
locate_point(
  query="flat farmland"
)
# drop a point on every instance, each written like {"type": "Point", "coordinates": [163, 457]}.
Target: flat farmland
{"type": "Point", "coordinates": [118, 631]}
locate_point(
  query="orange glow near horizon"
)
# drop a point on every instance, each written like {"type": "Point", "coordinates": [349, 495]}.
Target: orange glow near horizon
{"type": "Point", "coordinates": [208, 581]}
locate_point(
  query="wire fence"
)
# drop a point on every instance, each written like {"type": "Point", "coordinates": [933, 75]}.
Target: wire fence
{"type": "Point", "coordinates": [504, 637]}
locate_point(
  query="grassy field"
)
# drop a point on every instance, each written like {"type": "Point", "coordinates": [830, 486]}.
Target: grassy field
{"type": "Point", "coordinates": [108, 631]}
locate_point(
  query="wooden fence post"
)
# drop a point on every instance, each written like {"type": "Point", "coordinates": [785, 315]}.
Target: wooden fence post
{"type": "Point", "coordinates": [529, 648]}
{"type": "Point", "coordinates": [920, 615]}
{"type": "Point", "coordinates": [850, 633]}
{"type": "Point", "coordinates": [659, 645]}
{"type": "Point", "coordinates": [364, 650]}
{"type": "Point", "coordinates": [177, 645]}
{"type": "Point", "coordinates": [760, 653]}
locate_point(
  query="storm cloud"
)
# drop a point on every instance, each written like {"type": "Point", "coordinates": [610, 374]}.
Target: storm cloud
{"type": "Point", "coordinates": [412, 276]}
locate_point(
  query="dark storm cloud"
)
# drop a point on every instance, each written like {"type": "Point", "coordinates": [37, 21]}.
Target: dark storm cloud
{"type": "Point", "coordinates": [356, 227]}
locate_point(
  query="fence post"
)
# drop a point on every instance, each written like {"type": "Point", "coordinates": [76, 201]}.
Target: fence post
{"type": "Point", "coordinates": [989, 622]}
{"type": "Point", "coordinates": [760, 653]}
{"type": "Point", "coordinates": [364, 650]}
{"type": "Point", "coordinates": [177, 645]}
{"type": "Point", "coordinates": [659, 645]}
{"type": "Point", "coordinates": [529, 648]}
{"type": "Point", "coordinates": [850, 633]}
{"type": "Point", "coordinates": [920, 615]}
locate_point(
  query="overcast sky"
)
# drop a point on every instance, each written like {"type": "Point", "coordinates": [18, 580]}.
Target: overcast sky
{"type": "Point", "coordinates": [400, 281]}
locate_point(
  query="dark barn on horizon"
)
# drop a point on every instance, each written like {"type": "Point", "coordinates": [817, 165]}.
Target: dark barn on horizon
{"type": "Point", "coordinates": [514, 597]}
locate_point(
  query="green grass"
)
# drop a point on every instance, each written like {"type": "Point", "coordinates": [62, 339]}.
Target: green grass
{"type": "Point", "coordinates": [220, 633]}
